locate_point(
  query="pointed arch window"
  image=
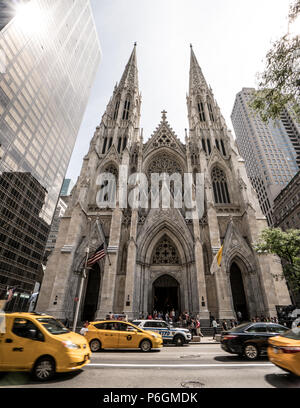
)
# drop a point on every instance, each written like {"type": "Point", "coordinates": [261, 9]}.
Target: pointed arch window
{"type": "Point", "coordinates": [210, 111]}
{"type": "Point", "coordinates": [208, 146]}
{"type": "Point", "coordinates": [124, 143]}
{"type": "Point", "coordinates": [126, 108]}
{"type": "Point", "coordinates": [223, 147]}
{"type": "Point", "coordinates": [117, 106]}
{"type": "Point", "coordinates": [201, 111]}
{"type": "Point", "coordinates": [119, 144]}
{"type": "Point", "coordinates": [220, 187]}
{"type": "Point", "coordinates": [104, 145]}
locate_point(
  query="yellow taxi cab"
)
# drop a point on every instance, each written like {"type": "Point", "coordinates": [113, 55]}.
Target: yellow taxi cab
{"type": "Point", "coordinates": [284, 351]}
{"type": "Point", "coordinates": [120, 334]}
{"type": "Point", "coordinates": [40, 344]}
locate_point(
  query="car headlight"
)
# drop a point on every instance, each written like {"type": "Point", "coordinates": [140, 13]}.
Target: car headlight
{"type": "Point", "coordinates": [68, 344]}
{"type": "Point", "coordinates": [155, 336]}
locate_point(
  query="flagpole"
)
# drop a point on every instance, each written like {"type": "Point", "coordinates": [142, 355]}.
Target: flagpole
{"type": "Point", "coordinates": [83, 276]}
{"type": "Point", "coordinates": [98, 222]}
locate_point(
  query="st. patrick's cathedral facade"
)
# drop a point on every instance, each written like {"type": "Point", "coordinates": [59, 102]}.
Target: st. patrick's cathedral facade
{"type": "Point", "coordinates": [157, 258]}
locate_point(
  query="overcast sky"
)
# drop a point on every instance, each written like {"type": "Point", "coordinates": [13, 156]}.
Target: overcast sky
{"type": "Point", "coordinates": [230, 39]}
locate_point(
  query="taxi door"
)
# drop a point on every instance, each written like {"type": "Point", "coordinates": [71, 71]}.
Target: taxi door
{"type": "Point", "coordinates": [3, 323]}
{"type": "Point", "coordinates": [108, 334]}
{"type": "Point", "coordinates": [128, 336]}
{"type": "Point", "coordinates": [18, 349]}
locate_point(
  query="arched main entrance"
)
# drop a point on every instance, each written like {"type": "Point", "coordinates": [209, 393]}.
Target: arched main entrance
{"type": "Point", "coordinates": [238, 291]}
{"type": "Point", "coordinates": [166, 294]}
{"type": "Point", "coordinates": [91, 294]}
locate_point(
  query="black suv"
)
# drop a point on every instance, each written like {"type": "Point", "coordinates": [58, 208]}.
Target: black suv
{"type": "Point", "coordinates": [250, 339]}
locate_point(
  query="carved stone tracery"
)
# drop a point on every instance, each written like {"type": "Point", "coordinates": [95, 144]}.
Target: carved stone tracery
{"type": "Point", "coordinates": [163, 163]}
{"type": "Point", "coordinates": [165, 253]}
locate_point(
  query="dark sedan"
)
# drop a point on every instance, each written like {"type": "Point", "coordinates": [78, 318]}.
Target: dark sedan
{"type": "Point", "coordinates": [250, 339]}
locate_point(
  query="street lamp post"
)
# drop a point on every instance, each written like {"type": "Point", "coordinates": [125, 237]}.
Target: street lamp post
{"type": "Point", "coordinates": [83, 277]}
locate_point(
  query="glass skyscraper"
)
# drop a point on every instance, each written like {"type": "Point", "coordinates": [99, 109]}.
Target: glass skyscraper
{"type": "Point", "coordinates": [271, 150]}
{"type": "Point", "coordinates": [49, 56]}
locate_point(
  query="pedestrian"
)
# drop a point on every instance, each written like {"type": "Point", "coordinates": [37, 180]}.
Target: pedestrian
{"type": "Point", "coordinates": [239, 316]}
{"type": "Point", "coordinates": [198, 328]}
{"type": "Point", "coordinates": [172, 315]}
{"type": "Point", "coordinates": [84, 329]}
{"type": "Point", "coordinates": [224, 325]}
{"type": "Point", "coordinates": [192, 327]}
{"type": "Point", "coordinates": [184, 322]}
{"type": "Point", "coordinates": [215, 327]}
{"type": "Point", "coordinates": [232, 321]}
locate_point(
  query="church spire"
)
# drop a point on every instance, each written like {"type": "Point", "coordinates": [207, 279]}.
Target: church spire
{"type": "Point", "coordinates": [197, 80]}
{"type": "Point", "coordinates": [130, 76]}
{"type": "Point", "coordinates": [121, 120]}
{"type": "Point", "coordinates": [205, 119]}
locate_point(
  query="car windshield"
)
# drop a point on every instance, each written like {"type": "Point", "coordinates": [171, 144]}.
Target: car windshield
{"type": "Point", "coordinates": [292, 334]}
{"type": "Point", "coordinates": [53, 326]}
{"type": "Point", "coordinates": [239, 328]}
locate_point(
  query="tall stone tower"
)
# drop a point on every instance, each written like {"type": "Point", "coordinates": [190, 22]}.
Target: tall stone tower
{"type": "Point", "coordinates": [159, 258]}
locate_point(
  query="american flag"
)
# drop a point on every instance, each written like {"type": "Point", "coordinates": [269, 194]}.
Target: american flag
{"type": "Point", "coordinates": [99, 254]}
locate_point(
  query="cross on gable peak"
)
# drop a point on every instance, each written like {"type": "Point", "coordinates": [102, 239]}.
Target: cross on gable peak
{"type": "Point", "coordinates": [164, 115]}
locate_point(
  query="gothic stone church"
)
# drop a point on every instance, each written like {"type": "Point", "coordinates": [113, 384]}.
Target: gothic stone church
{"type": "Point", "coordinates": [158, 258]}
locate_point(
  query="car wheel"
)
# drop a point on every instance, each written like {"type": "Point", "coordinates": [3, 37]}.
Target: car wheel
{"type": "Point", "coordinates": [95, 345]}
{"type": "Point", "coordinates": [44, 369]}
{"type": "Point", "coordinates": [179, 341]}
{"type": "Point", "coordinates": [145, 345]}
{"type": "Point", "coordinates": [251, 352]}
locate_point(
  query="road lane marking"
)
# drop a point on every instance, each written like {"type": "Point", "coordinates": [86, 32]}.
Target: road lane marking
{"type": "Point", "coordinates": [178, 365]}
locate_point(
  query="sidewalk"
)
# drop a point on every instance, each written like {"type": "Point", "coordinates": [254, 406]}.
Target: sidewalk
{"type": "Point", "coordinates": [204, 340]}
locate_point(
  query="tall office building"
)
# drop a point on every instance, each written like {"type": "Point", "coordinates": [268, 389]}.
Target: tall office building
{"type": "Point", "coordinates": [271, 150]}
{"type": "Point", "coordinates": [8, 10]}
{"type": "Point", "coordinates": [66, 187]}
{"type": "Point", "coordinates": [52, 52]}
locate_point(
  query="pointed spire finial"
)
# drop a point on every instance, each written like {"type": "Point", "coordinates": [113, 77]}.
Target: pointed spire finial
{"type": "Point", "coordinates": [191, 45]}
{"type": "Point", "coordinates": [135, 44]}
{"type": "Point", "coordinates": [130, 75]}
{"type": "Point", "coordinates": [164, 115]}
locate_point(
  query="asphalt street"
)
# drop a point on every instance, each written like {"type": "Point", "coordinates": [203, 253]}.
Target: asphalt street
{"type": "Point", "coordinates": [191, 366]}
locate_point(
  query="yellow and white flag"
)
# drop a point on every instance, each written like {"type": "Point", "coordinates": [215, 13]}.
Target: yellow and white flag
{"type": "Point", "coordinates": [216, 263]}
{"type": "Point", "coordinates": [219, 255]}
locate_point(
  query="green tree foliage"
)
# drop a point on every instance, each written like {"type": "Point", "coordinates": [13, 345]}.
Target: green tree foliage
{"type": "Point", "coordinates": [287, 246]}
{"type": "Point", "coordinates": [280, 82]}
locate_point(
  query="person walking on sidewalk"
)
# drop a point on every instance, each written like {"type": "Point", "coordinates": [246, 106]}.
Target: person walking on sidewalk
{"type": "Point", "coordinates": [198, 328]}
{"type": "Point", "coordinates": [215, 326]}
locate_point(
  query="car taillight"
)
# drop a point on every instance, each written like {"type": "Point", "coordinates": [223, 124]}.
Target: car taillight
{"type": "Point", "coordinates": [229, 336]}
{"type": "Point", "coordinates": [290, 349]}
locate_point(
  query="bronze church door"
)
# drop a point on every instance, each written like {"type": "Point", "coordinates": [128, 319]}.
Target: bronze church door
{"type": "Point", "coordinates": [166, 294]}
{"type": "Point", "coordinates": [91, 294]}
{"type": "Point", "coordinates": [238, 291]}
